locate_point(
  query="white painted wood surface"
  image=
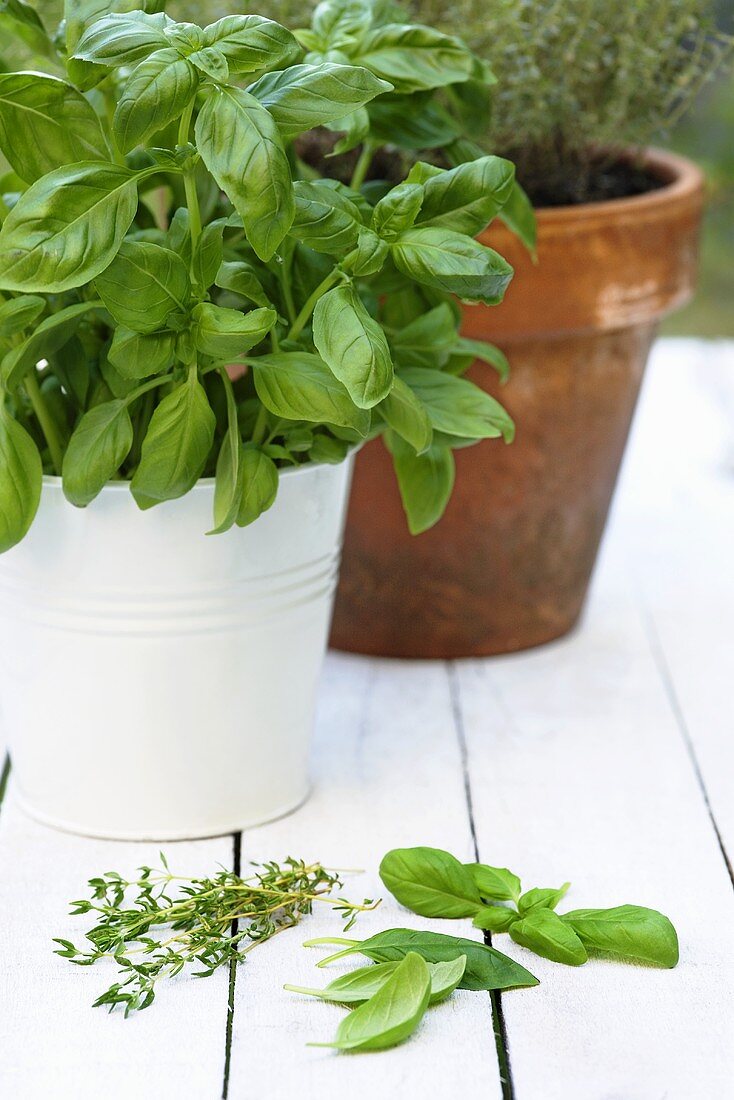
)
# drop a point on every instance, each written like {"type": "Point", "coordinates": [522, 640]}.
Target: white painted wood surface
{"type": "Point", "coordinates": [606, 758]}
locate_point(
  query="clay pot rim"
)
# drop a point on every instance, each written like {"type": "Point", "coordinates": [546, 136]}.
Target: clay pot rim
{"type": "Point", "coordinates": [683, 179]}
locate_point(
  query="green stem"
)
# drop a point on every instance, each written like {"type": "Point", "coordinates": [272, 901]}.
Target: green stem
{"type": "Point", "coordinates": [362, 166]}
{"type": "Point", "coordinates": [161, 380]}
{"type": "Point", "coordinates": [232, 422]}
{"type": "Point", "coordinates": [4, 210]}
{"type": "Point", "coordinates": [258, 432]}
{"type": "Point", "coordinates": [48, 427]}
{"type": "Point", "coordinates": [305, 315]}
{"type": "Point", "coordinates": [285, 282]}
{"type": "Point", "coordinates": [192, 197]}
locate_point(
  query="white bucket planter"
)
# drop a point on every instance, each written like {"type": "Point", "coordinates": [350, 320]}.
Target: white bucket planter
{"type": "Point", "coordinates": [159, 683]}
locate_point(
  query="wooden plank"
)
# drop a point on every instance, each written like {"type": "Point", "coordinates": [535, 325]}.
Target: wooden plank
{"type": "Point", "coordinates": [677, 511]}
{"type": "Point", "coordinates": [578, 771]}
{"type": "Point", "coordinates": [53, 1042]}
{"type": "Point", "coordinates": [388, 773]}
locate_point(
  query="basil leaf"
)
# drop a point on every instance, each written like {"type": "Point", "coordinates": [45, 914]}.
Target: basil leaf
{"type": "Point", "coordinates": [404, 412]}
{"type": "Point", "coordinates": [208, 255]}
{"type": "Point", "coordinates": [176, 445]}
{"type": "Point", "coordinates": [495, 918]}
{"type": "Point", "coordinates": [466, 199]}
{"type": "Point", "coordinates": [430, 882]}
{"type": "Point", "coordinates": [45, 124]}
{"type": "Point", "coordinates": [486, 968]}
{"type": "Point", "coordinates": [136, 355]}
{"type": "Point", "coordinates": [458, 407]}
{"type": "Point", "coordinates": [229, 483]}
{"type": "Point", "coordinates": [143, 285]}
{"type": "Point", "coordinates": [627, 931]}
{"type": "Point", "coordinates": [412, 122]}
{"type": "Point", "coordinates": [541, 898]}
{"type": "Point", "coordinates": [239, 278]}
{"type": "Point", "coordinates": [412, 58]}
{"type": "Point", "coordinates": [336, 21]}
{"type": "Point", "coordinates": [453, 263]}
{"type": "Point", "coordinates": [123, 38]}
{"type": "Point", "coordinates": [359, 985]}
{"type": "Point", "coordinates": [299, 386]}
{"type": "Point", "coordinates": [426, 341]}
{"type": "Point", "coordinates": [260, 484]}
{"type": "Point", "coordinates": [250, 42]}
{"type": "Point", "coordinates": [21, 477]}
{"type": "Point", "coordinates": [325, 220]}
{"type": "Point", "coordinates": [487, 353]}
{"type": "Point", "coordinates": [79, 14]}
{"type": "Point", "coordinates": [98, 446]}
{"type": "Point", "coordinates": [306, 96]}
{"type": "Point", "coordinates": [354, 128]}
{"type": "Point", "coordinates": [52, 333]}
{"type": "Point", "coordinates": [397, 211]}
{"type": "Point", "coordinates": [353, 345]}
{"type": "Point", "coordinates": [211, 63]}
{"type": "Point", "coordinates": [425, 482]}
{"type": "Point", "coordinates": [18, 314]}
{"type": "Point", "coordinates": [392, 1014]}
{"type": "Point", "coordinates": [519, 216]}
{"type": "Point", "coordinates": [227, 333]}
{"type": "Point", "coordinates": [67, 228]}
{"type": "Point", "coordinates": [159, 90]}
{"type": "Point", "coordinates": [370, 255]}
{"type": "Point", "coordinates": [240, 145]}
{"type": "Point", "coordinates": [23, 21]}
{"type": "Point", "coordinates": [543, 932]}
{"type": "Point", "coordinates": [496, 883]}
{"type": "Point", "coordinates": [328, 450]}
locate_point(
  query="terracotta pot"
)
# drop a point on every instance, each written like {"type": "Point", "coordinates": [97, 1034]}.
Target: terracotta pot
{"type": "Point", "coordinates": [509, 565]}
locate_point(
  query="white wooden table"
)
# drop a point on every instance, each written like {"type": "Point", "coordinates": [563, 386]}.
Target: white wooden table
{"type": "Point", "coordinates": [606, 758]}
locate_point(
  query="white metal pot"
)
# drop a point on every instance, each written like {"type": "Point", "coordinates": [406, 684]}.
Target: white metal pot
{"type": "Point", "coordinates": [159, 683]}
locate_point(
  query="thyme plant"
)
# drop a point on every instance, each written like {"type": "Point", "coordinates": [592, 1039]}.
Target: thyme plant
{"type": "Point", "coordinates": [160, 225]}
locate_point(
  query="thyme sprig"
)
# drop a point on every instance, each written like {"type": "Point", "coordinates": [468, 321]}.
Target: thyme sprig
{"type": "Point", "coordinates": [174, 921]}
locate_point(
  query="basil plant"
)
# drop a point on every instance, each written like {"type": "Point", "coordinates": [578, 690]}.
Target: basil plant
{"type": "Point", "coordinates": [187, 293]}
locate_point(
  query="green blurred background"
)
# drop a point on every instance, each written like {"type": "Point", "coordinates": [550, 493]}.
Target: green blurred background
{"type": "Point", "coordinates": [707, 135]}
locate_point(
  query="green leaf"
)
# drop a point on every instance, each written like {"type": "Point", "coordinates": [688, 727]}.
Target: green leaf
{"type": "Point", "coordinates": [136, 355]}
{"type": "Point", "coordinates": [24, 23]}
{"type": "Point", "coordinates": [18, 314]}
{"type": "Point", "coordinates": [239, 278]}
{"type": "Point", "coordinates": [123, 38]}
{"type": "Point", "coordinates": [325, 220]}
{"type": "Point", "coordinates": [412, 58]}
{"type": "Point", "coordinates": [496, 883]}
{"type": "Point", "coordinates": [453, 263]}
{"type": "Point", "coordinates": [45, 124]}
{"type": "Point", "coordinates": [306, 96]}
{"type": "Point", "coordinates": [354, 128]}
{"type": "Point", "coordinates": [176, 445]}
{"type": "Point", "coordinates": [250, 42]}
{"type": "Point", "coordinates": [519, 216]}
{"type": "Point", "coordinates": [328, 450]}
{"type": "Point", "coordinates": [427, 341]}
{"type": "Point", "coordinates": [487, 353]}
{"type": "Point", "coordinates": [359, 985]}
{"type": "Point", "coordinates": [412, 122]}
{"type": "Point", "coordinates": [353, 345]}
{"type": "Point", "coordinates": [52, 333]}
{"type": "Point", "coordinates": [392, 1014]}
{"type": "Point", "coordinates": [143, 286]}
{"type": "Point", "coordinates": [99, 445]}
{"type": "Point", "coordinates": [486, 968]}
{"type": "Point", "coordinates": [21, 478]}
{"type": "Point", "coordinates": [426, 482]}
{"type": "Point", "coordinates": [80, 14]}
{"type": "Point", "coordinates": [228, 334]}
{"type": "Point", "coordinates": [541, 898]}
{"type": "Point", "coordinates": [543, 932]}
{"type": "Point", "coordinates": [240, 145]}
{"type": "Point", "coordinates": [627, 931]}
{"type": "Point", "coordinates": [67, 228]}
{"type": "Point", "coordinates": [466, 199]}
{"type": "Point", "coordinates": [299, 386]}
{"type": "Point", "coordinates": [495, 918]}
{"type": "Point", "coordinates": [404, 412]}
{"type": "Point", "coordinates": [397, 211]}
{"type": "Point", "coordinates": [159, 90]}
{"type": "Point", "coordinates": [229, 483]}
{"type": "Point", "coordinates": [336, 21]}
{"type": "Point", "coordinates": [370, 255]}
{"type": "Point", "coordinates": [458, 407]}
{"type": "Point", "coordinates": [430, 882]}
{"type": "Point", "coordinates": [208, 255]}
{"type": "Point", "coordinates": [260, 484]}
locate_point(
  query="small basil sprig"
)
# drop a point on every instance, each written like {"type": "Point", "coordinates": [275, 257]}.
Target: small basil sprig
{"type": "Point", "coordinates": [434, 883]}
{"type": "Point", "coordinates": [359, 985]}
